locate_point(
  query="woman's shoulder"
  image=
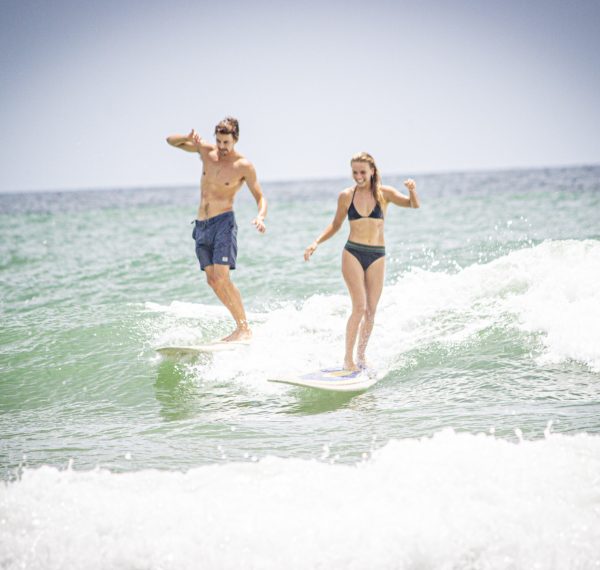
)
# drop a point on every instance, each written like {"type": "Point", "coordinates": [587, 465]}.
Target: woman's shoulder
{"type": "Point", "coordinates": [345, 196]}
{"type": "Point", "coordinates": [386, 191]}
{"type": "Point", "coordinates": [346, 192]}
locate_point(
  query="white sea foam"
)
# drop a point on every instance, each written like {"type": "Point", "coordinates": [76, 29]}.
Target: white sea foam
{"type": "Point", "coordinates": [551, 289]}
{"type": "Point", "coordinates": [562, 299]}
{"type": "Point", "coordinates": [457, 501]}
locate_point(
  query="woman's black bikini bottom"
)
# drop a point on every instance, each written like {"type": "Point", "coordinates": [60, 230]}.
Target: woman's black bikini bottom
{"type": "Point", "coordinates": [366, 254]}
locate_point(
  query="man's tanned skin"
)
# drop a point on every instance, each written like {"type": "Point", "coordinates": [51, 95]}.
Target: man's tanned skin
{"type": "Point", "coordinates": [224, 171]}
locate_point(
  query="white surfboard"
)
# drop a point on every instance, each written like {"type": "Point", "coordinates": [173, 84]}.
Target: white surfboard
{"type": "Point", "coordinates": [333, 379]}
{"type": "Point", "coordinates": [195, 350]}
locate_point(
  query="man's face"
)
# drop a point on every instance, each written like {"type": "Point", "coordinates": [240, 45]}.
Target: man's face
{"type": "Point", "coordinates": [225, 144]}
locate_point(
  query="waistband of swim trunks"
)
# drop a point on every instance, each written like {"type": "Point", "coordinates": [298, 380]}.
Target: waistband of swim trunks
{"type": "Point", "coordinates": [364, 247]}
{"type": "Point", "coordinates": [215, 219]}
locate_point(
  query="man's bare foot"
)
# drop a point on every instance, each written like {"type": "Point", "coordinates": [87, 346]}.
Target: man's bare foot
{"type": "Point", "coordinates": [238, 335]}
{"type": "Point", "coordinates": [350, 366]}
{"type": "Point", "coordinates": [362, 363]}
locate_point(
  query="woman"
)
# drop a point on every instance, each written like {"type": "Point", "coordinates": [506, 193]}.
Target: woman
{"type": "Point", "coordinates": [363, 257]}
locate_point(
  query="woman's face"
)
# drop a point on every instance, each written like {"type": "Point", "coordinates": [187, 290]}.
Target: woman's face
{"type": "Point", "coordinates": [362, 172]}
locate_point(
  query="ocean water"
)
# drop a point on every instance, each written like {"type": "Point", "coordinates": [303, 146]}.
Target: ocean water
{"type": "Point", "coordinates": [479, 447]}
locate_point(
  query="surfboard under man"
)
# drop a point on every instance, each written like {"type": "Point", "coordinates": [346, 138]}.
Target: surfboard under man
{"type": "Point", "coordinates": [224, 171]}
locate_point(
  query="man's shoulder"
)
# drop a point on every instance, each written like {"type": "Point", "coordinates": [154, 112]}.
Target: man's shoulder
{"type": "Point", "coordinates": [206, 149]}
{"type": "Point", "coordinates": [242, 162]}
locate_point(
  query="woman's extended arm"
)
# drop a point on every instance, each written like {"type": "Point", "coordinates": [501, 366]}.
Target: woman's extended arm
{"type": "Point", "coordinates": [333, 227]}
{"type": "Point", "coordinates": [392, 195]}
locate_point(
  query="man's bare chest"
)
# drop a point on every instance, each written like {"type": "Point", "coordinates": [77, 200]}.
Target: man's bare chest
{"type": "Point", "coordinates": [221, 173]}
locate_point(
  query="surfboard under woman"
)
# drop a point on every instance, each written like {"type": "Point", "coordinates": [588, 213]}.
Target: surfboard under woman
{"type": "Point", "coordinates": [363, 258]}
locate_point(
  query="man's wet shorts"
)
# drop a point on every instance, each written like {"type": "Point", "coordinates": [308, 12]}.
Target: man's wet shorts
{"type": "Point", "coordinates": [216, 240]}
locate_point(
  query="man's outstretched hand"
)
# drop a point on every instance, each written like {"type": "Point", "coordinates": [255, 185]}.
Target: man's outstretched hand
{"type": "Point", "coordinates": [260, 224]}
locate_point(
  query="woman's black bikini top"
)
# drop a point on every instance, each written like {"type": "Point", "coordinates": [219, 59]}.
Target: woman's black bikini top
{"type": "Point", "coordinates": [353, 214]}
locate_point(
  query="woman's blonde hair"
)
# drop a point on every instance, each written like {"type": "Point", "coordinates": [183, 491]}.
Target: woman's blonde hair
{"type": "Point", "coordinates": [375, 178]}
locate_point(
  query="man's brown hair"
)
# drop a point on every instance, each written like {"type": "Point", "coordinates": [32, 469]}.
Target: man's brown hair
{"type": "Point", "coordinates": [229, 126]}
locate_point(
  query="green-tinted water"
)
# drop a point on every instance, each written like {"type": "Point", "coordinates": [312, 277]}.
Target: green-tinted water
{"type": "Point", "coordinates": [490, 319]}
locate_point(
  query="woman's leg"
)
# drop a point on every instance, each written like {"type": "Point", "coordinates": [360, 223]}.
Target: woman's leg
{"type": "Point", "coordinates": [374, 285]}
{"type": "Point", "coordinates": [354, 276]}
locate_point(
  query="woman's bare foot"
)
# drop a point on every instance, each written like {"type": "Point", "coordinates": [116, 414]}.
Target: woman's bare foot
{"type": "Point", "coordinates": [349, 365]}
{"type": "Point", "coordinates": [362, 363]}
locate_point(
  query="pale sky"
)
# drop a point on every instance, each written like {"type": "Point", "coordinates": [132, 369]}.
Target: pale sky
{"type": "Point", "coordinates": [89, 90]}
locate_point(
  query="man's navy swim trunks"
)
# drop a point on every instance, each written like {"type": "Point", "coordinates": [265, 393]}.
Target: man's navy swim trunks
{"type": "Point", "coordinates": [216, 240]}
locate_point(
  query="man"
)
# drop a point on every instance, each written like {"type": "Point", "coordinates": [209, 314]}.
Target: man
{"type": "Point", "coordinates": [223, 173]}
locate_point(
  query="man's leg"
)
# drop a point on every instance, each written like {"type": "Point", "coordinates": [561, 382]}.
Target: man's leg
{"type": "Point", "coordinates": [218, 279]}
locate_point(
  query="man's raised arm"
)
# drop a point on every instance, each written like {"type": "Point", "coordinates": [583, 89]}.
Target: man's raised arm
{"type": "Point", "coordinates": [189, 143]}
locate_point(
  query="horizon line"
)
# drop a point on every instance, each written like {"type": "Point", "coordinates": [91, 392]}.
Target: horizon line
{"type": "Point", "coordinates": [295, 180]}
